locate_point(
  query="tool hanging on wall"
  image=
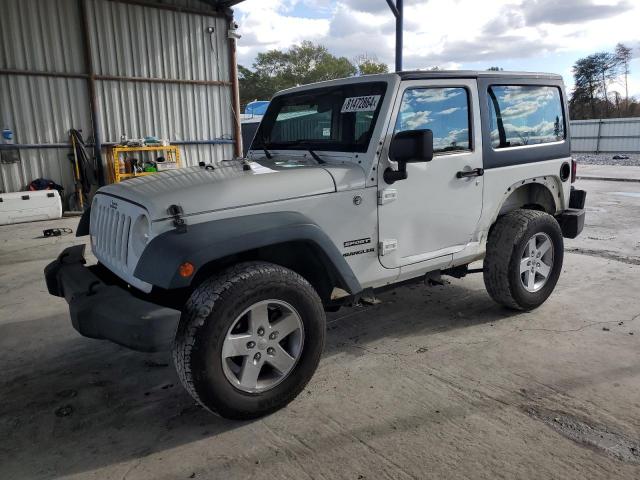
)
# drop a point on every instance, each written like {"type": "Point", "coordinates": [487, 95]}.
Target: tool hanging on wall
{"type": "Point", "coordinates": [84, 171]}
{"type": "Point", "coordinates": [76, 174]}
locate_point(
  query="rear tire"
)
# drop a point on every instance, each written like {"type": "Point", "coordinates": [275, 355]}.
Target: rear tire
{"type": "Point", "coordinates": [229, 331]}
{"type": "Point", "coordinates": [524, 259]}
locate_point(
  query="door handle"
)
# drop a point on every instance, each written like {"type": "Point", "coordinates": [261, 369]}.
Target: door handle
{"type": "Point", "coordinates": [476, 172]}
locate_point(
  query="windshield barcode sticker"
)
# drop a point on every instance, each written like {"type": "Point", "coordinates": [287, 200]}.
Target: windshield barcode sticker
{"type": "Point", "coordinates": [368, 103]}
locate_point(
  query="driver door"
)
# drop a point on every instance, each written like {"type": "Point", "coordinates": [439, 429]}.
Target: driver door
{"type": "Point", "coordinates": [433, 213]}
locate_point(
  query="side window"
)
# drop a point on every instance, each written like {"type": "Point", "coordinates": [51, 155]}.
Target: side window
{"type": "Point", "coordinates": [445, 111]}
{"type": "Point", "coordinates": [525, 115]}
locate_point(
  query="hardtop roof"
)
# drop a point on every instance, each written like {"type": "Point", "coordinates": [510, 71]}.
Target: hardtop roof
{"type": "Point", "coordinates": [425, 74]}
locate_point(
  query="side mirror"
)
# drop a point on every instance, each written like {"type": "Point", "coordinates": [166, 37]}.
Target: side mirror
{"type": "Point", "coordinates": [408, 146]}
{"type": "Point", "coordinates": [412, 146]}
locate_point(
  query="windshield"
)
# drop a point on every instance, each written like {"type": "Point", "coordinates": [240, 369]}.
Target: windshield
{"type": "Point", "coordinates": [340, 118]}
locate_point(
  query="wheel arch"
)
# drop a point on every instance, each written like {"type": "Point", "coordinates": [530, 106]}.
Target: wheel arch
{"type": "Point", "coordinates": [537, 193]}
{"type": "Point", "coordinates": [302, 256]}
{"type": "Point", "coordinates": [540, 193]}
{"type": "Point", "coordinates": [288, 239]}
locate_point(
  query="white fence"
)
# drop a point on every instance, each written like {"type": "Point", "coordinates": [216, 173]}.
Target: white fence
{"type": "Point", "coordinates": [609, 135]}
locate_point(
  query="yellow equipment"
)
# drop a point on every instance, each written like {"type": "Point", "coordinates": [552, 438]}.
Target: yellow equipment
{"type": "Point", "coordinates": [121, 171]}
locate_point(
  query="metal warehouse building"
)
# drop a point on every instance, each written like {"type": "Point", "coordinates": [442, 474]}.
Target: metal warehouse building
{"type": "Point", "coordinates": [113, 67]}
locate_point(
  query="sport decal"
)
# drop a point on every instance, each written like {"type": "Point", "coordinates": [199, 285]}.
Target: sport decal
{"type": "Point", "coordinates": [359, 241]}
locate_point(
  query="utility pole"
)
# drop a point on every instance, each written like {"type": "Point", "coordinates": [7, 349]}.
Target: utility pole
{"type": "Point", "coordinates": [397, 10]}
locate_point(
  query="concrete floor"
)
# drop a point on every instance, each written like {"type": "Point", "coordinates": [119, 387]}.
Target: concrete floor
{"type": "Point", "coordinates": [431, 383]}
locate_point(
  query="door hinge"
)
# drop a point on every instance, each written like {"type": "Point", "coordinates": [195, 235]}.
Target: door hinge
{"type": "Point", "coordinates": [387, 246]}
{"type": "Point", "coordinates": [387, 195]}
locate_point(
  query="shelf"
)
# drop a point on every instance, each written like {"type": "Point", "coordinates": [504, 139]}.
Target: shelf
{"type": "Point", "coordinates": [133, 175]}
{"type": "Point", "coordinates": [172, 154]}
{"type": "Point", "coordinates": [145, 149]}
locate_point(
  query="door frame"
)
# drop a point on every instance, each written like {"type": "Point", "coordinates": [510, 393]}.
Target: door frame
{"type": "Point", "coordinates": [476, 144]}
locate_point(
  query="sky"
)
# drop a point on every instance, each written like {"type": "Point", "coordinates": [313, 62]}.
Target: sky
{"type": "Point", "coordinates": [529, 35]}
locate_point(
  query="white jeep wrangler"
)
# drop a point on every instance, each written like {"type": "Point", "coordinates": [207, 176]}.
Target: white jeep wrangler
{"type": "Point", "coordinates": [349, 186]}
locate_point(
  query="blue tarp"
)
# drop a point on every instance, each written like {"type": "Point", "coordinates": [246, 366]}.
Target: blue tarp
{"type": "Point", "coordinates": [258, 107]}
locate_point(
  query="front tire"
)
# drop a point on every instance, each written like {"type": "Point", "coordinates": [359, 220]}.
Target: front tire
{"type": "Point", "coordinates": [524, 258]}
{"type": "Point", "coordinates": [249, 340]}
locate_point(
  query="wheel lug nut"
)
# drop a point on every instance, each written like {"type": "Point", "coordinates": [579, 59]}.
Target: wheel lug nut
{"type": "Point", "coordinates": [257, 356]}
{"type": "Point", "coordinates": [251, 344]}
{"type": "Point", "coordinates": [271, 350]}
{"type": "Point", "coordinates": [273, 335]}
{"type": "Point", "coordinates": [260, 331]}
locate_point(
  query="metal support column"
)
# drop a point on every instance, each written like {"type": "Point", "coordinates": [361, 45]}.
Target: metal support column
{"type": "Point", "coordinates": [91, 84]}
{"type": "Point", "coordinates": [235, 87]}
{"type": "Point", "coordinates": [397, 10]}
{"type": "Point", "coordinates": [599, 136]}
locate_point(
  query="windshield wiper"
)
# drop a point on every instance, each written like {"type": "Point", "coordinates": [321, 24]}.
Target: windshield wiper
{"type": "Point", "coordinates": [315, 156]}
{"type": "Point", "coordinates": [292, 143]}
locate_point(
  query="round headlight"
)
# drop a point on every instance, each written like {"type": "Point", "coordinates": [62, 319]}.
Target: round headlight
{"type": "Point", "coordinates": [140, 235]}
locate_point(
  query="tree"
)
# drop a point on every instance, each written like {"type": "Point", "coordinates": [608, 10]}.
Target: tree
{"type": "Point", "coordinates": [369, 65]}
{"type": "Point", "coordinates": [276, 70]}
{"type": "Point", "coordinates": [593, 76]}
{"type": "Point", "coordinates": [605, 65]}
{"type": "Point", "coordinates": [255, 86]}
{"type": "Point", "coordinates": [495, 69]}
{"type": "Point", "coordinates": [370, 68]}
{"type": "Point", "coordinates": [585, 75]}
{"type": "Point", "coordinates": [623, 58]}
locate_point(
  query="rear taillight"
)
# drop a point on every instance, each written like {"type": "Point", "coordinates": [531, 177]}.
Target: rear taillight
{"type": "Point", "coordinates": [574, 170]}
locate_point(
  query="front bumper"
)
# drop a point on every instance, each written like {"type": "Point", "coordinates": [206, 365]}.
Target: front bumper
{"type": "Point", "coordinates": [110, 312]}
{"type": "Point", "coordinates": [572, 220]}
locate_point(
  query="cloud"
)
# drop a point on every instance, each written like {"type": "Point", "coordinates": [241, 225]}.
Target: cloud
{"type": "Point", "coordinates": [458, 137]}
{"type": "Point", "coordinates": [527, 135]}
{"type": "Point", "coordinates": [510, 18]}
{"type": "Point", "coordinates": [560, 12]}
{"type": "Point", "coordinates": [374, 6]}
{"type": "Point", "coordinates": [446, 33]}
{"type": "Point", "coordinates": [517, 102]}
{"type": "Point", "coordinates": [513, 94]}
{"type": "Point", "coordinates": [354, 32]}
{"type": "Point", "coordinates": [367, 6]}
{"type": "Point", "coordinates": [413, 120]}
{"type": "Point", "coordinates": [269, 24]}
{"type": "Point", "coordinates": [523, 109]}
{"type": "Point", "coordinates": [449, 111]}
{"type": "Point", "coordinates": [433, 95]}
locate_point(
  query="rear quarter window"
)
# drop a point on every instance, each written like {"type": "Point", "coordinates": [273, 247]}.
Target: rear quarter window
{"type": "Point", "coordinates": [525, 115]}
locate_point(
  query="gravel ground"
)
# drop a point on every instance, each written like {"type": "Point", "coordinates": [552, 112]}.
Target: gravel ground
{"type": "Point", "coordinates": [607, 159]}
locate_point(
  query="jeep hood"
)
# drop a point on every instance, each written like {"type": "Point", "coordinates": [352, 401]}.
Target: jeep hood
{"type": "Point", "coordinates": [228, 185]}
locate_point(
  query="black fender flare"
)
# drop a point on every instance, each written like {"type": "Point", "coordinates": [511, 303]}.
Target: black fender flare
{"type": "Point", "coordinates": [83, 224]}
{"type": "Point", "coordinates": [205, 242]}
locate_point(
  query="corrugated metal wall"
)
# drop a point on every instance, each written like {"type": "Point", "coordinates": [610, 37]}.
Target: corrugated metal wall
{"type": "Point", "coordinates": [136, 41]}
{"type": "Point", "coordinates": [40, 110]}
{"type": "Point", "coordinates": [127, 40]}
{"type": "Point", "coordinates": [610, 135]}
